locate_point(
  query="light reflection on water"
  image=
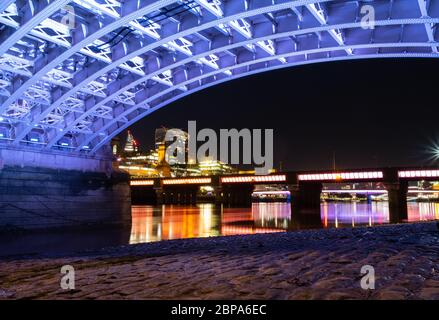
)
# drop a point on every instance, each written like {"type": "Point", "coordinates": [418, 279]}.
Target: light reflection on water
{"type": "Point", "coordinates": [155, 223]}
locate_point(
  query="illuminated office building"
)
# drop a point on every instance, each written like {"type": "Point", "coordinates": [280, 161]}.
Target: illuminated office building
{"type": "Point", "coordinates": [131, 145]}
{"type": "Point", "coordinates": [215, 167]}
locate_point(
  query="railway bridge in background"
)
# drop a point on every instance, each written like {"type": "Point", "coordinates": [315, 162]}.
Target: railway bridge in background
{"type": "Point", "coordinates": [305, 188]}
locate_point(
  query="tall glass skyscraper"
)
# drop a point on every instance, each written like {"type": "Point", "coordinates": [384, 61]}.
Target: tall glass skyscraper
{"type": "Point", "coordinates": [131, 144]}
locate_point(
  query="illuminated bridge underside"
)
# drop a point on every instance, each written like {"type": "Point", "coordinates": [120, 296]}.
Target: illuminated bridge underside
{"type": "Point", "coordinates": [73, 74]}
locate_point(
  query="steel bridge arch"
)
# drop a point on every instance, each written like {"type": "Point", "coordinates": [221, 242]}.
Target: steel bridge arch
{"type": "Point", "coordinates": [249, 73]}
{"type": "Point", "coordinates": [96, 70]}
{"type": "Point", "coordinates": [210, 42]}
{"type": "Point", "coordinates": [176, 64]}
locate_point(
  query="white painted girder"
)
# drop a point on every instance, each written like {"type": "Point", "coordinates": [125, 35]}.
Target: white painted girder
{"type": "Point", "coordinates": [428, 26]}
{"type": "Point", "coordinates": [42, 12]}
{"type": "Point", "coordinates": [81, 44]}
{"type": "Point", "coordinates": [193, 27]}
{"type": "Point", "coordinates": [4, 4]}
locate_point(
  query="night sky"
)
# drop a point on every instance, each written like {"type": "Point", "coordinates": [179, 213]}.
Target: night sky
{"type": "Point", "coordinates": [370, 113]}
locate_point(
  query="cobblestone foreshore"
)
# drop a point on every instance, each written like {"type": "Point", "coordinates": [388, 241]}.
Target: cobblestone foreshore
{"type": "Point", "coordinates": [319, 264]}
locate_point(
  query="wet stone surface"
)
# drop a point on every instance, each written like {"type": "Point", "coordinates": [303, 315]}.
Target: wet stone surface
{"type": "Point", "coordinates": [316, 264]}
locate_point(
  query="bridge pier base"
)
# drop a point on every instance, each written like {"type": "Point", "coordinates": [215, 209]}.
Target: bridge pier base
{"type": "Point", "coordinates": [52, 189]}
{"type": "Point", "coordinates": [397, 193]}
{"type": "Point", "coordinates": [239, 195]}
{"type": "Point", "coordinates": [218, 190]}
{"type": "Point", "coordinates": [159, 193]}
{"type": "Point", "coordinates": [39, 198]}
{"type": "Point", "coordinates": [305, 205]}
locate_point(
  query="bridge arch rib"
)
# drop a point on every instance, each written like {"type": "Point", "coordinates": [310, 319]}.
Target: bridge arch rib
{"type": "Point", "coordinates": [74, 88]}
{"type": "Point", "coordinates": [172, 98]}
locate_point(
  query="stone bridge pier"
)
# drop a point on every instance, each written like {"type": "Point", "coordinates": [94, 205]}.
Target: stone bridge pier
{"type": "Point", "coordinates": [49, 190]}
{"type": "Point", "coordinates": [397, 192]}
{"type": "Point", "coordinates": [305, 205]}
{"type": "Point", "coordinates": [237, 195]}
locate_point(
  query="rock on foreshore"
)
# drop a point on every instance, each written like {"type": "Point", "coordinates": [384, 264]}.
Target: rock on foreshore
{"type": "Point", "coordinates": [313, 264]}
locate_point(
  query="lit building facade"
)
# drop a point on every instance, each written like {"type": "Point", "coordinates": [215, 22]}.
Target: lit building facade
{"type": "Point", "coordinates": [215, 167]}
{"type": "Point", "coordinates": [156, 163]}
{"type": "Point", "coordinates": [131, 144]}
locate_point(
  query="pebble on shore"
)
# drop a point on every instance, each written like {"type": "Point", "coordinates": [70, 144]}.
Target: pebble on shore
{"type": "Point", "coordinates": [313, 264]}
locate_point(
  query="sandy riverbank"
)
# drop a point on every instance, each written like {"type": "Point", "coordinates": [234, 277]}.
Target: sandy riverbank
{"type": "Point", "coordinates": [316, 264]}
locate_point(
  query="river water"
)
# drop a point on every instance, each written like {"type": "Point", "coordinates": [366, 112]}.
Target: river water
{"type": "Point", "coordinates": [155, 223]}
{"type": "Point", "coordinates": [166, 222]}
